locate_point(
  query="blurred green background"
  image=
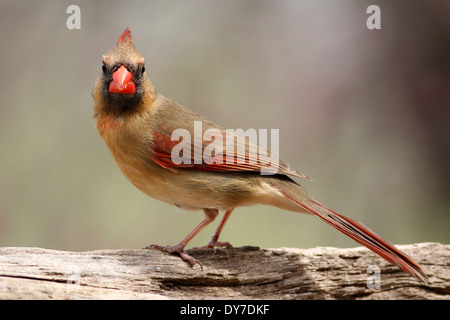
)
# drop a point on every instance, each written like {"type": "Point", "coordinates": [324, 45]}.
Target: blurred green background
{"type": "Point", "coordinates": [365, 113]}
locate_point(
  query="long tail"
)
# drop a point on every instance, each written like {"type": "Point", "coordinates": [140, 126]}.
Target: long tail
{"type": "Point", "coordinates": [362, 235]}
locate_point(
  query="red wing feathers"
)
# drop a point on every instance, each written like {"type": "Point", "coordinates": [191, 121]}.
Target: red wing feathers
{"type": "Point", "coordinates": [237, 155]}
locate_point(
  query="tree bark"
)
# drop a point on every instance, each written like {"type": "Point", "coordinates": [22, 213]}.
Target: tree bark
{"type": "Point", "coordinates": [238, 273]}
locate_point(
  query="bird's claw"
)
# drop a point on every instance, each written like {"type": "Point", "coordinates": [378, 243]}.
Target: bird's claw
{"type": "Point", "coordinates": [213, 243]}
{"type": "Point", "coordinates": [176, 249]}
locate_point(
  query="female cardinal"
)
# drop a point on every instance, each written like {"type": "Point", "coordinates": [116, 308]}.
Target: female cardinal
{"type": "Point", "coordinates": [137, 123]}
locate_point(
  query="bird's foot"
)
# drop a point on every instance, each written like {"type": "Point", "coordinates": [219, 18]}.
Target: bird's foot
{"type": "Point", "coordinates": [179, 248]}
{"type": "Point", "coordinates": [214, 243]}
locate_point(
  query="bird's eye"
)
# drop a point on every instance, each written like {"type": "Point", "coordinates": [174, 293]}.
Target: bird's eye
{"type": "Point", "coordinates": [104, 68]}
{"type": "Point", "coordinates": [143, 69]}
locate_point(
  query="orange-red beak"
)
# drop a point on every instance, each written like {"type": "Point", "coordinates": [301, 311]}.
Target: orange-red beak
{"type": "Point", "coordinates": [122, 81]}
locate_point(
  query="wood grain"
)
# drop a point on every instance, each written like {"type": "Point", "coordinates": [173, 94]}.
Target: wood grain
{"type": "Point", "coordinates": [238, 273]}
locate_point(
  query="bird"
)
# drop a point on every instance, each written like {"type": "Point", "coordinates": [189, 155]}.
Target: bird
{"type": "Point", "coordinates": [137, 124]}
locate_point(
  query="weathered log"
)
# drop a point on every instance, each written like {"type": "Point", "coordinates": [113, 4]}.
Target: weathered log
{"type": "Point", "coordinates": [238, 273]}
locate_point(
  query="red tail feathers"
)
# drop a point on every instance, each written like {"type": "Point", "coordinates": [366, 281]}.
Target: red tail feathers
{"type": "Point", "coordinates": [364, 236]}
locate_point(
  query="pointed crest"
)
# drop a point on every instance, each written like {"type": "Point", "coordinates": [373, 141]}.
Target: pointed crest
{"type": "Point", "coordinates": [125, 37]}
{"type": "Point", "coordinates": [124, 51]}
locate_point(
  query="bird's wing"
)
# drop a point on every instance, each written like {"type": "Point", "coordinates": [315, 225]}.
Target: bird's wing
{"type": "Point", "coordinates": [216, 150]}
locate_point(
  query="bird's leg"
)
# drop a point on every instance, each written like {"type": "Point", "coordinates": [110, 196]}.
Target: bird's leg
{"type": "Point", "coordinates": [213, 241]}
{"type": "Point", "coordinates": [210, 215]}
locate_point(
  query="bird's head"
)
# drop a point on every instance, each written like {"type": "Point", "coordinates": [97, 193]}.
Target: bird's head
{"type": "Point", "coordinates": [123, 81]}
